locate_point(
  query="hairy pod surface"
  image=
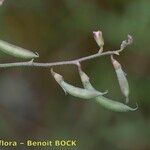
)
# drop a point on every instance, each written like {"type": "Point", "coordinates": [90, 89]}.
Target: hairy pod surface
{"type": "Point", "coordinates": [123, 83]}
{"type": "Point", "coordinates": [103, 101]}
{"type": "Point", "coordinates": [16, 51]}
{"type": "Point", "coordinates": [75, 91]}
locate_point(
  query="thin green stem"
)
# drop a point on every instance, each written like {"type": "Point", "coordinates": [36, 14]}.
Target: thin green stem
{"type": "Point", "coordinates": [69, 62]}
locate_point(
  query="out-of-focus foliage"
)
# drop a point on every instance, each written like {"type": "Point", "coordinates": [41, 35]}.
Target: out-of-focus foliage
{"type": "Point", "coordinates": [33, 105]}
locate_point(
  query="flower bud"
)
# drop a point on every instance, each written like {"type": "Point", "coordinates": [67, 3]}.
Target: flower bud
{"type": "Point", "coordinates": [98, 38]}
{"type": "Point", "coordinates": [126, 42]}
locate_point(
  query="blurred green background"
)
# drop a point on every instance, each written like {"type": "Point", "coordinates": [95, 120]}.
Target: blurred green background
{"type": "Point", "coordinates": [32, 105]}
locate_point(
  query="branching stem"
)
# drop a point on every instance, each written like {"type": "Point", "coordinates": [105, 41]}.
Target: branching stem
{"type": "Point", "coordinates": [69, 62]}
{"type": "Point", "coordinates": [31, 63]}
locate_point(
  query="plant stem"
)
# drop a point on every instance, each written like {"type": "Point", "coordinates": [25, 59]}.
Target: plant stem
{"type": "Point", "coordinates": [70, 62]}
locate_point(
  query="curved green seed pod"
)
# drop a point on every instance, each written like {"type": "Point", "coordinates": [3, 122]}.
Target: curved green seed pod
{"type": "Point", "coordinates": [79, 92]}
{"type": "Point", "coordinates": [86, 83]}
{"type": "Point", "coordinates": [16, 51]}
{"type": "Point", "coordinates": [123, 83]}
{"type": "Point", "coordinates": [103, 101]}
{"type": "Point", "coordinates": [75, 91]}
{"type": "Point", "coordinates": [114, 105]}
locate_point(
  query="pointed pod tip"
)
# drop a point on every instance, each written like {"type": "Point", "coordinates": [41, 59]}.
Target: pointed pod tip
{"type": "Point", "coordinates": [100, 93]}
{"type": "Point", "coordinates": [37, 54]}
{"type": "Point", "coordinates": [105, 92]}
{"type": "Point", "coordinates": [134, 109]}
{"type": "Point", "coordinates": [96, 93]}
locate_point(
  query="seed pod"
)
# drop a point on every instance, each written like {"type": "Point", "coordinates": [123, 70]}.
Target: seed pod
{"type": "Point", "coordinates": [123, 83]}
{"type": "Point", "coordinates": [103, 101]}
{"type": "Point", "coordinates": [86, 83]}
{"type": "Point", "coordinates": [16, 51]}
{"type": "Point", "coordinates": [114, 105]}
{"type": "Point", "coordinates": [98, 38]}
{"type": "Point", "coordinates": [74, 91]}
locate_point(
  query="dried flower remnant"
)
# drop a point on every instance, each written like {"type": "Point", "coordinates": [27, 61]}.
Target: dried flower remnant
{"type": "Point", "coordinates": [126, 42]}
{"type": "Point", "coordinates": [121, 76]}
{"type": "Point", "coordinates": [130, 39]}
{"type": "Point", "coordinates": [75, 91]}
{"type": "Point", "coordinates": [103, 101]}
{"type": "Point", "coordinates": [123, 45]}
